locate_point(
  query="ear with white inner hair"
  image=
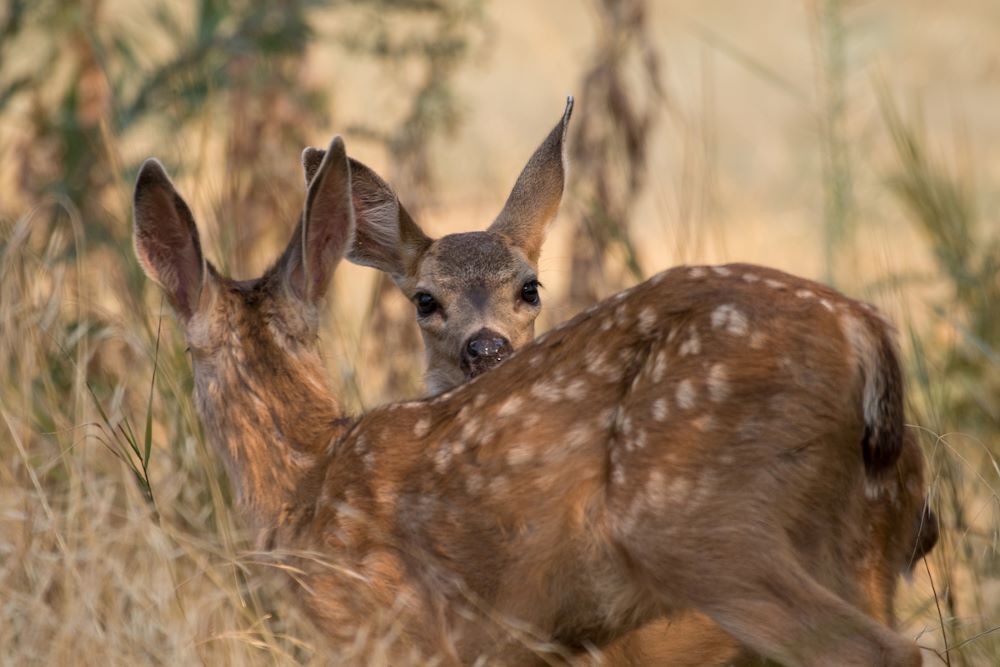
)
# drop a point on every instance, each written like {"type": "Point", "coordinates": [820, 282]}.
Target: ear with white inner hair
{"type": "Point", "coordinates": [311, 159]}
{"type": "Point", "coordinates": [326, 228]}
{"type": "Point", "coordinates": [387, 238]}
{"type": "Point", "coordinates": [166, 239]}
{"type": "Point", "coordinates": [534, 201]}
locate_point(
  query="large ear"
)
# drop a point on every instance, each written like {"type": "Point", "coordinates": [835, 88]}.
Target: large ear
{"type": "Point", "coordinates": [311, 159]}
{"type": "Point", "coordinates": [326, 228]}
{"type": "Point", "coordinates": [166, 239]}
{"type": "Point", "coordinates": [534, 201]}
{"type": "Point", "coordinates": [387, 238]}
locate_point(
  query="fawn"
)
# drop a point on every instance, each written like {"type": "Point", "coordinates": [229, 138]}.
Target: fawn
{"type": "Point", "coordinates": [465, 288]}
{"type": "Point", "coordinates": [900, 532]}
{"type": "Point", "coordinates": [707, 440]}
{"type": "Point", "coordinates": [476, 293]}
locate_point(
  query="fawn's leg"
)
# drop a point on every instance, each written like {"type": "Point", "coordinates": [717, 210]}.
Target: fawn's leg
{"type": "Point", "coordinates": [778, 610]}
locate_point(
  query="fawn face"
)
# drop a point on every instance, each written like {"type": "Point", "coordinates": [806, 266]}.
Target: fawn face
{"type": "Point", "coordinates": [475, 293]}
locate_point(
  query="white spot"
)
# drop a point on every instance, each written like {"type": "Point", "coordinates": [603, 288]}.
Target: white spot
{"type": "Point", "coordinates": [685, 394]}
{"type": "Point", "coordinates": [721, 270]}
{"type": "Point", "coordinates": [618, 476]}
{"type": "Point", "coordinates": [546, 391]}
{"type": "Point", "coordinates": [660, 366]}
{"type": "Point", "coordinates": [647, 319]}
{"type": "Point", "coordinates": [658, 278]}
{"type": "Point", "coordinates": [697, 272]}
{"type": "Point", "coordinates": [703, 423]}
{"type": "Point", "coordinates": [827, 304]}
{"type": "Point", "coordinates": [470, 428]}
{"type": "Point", "coordinates": [639, 442]}
{"type": "Point", "coordinates": [624, 293]}
{"type": "Point", "coordinates": [804, 294]}
{"type": "Point", "coordinates": [873, 490]}
{"type": "Point", "coordinates": [692, 345]}
{"type": "Point", "coordinates": [621, 315]}
{"type": "Point", "coordinates": [511, 406]}
{"type": "Point", "coordinates": [625, 425]}
{"type": "Point", "coordinates": [474, 482]}
{"type": "Point", "coordinates": [730, 318]}
{"type": "Point", "coordinates": [442, 459]}
{"type": "Point", "coordinates": [774, 284]}
{"type": "Point", "coordinates": [579, 436]}
{"type": "Point", "coordinates": [677, 490]}
{"type": "Point", "coordinates": [660, 409]}
{"type": "Point", "coordinates": [421, 427]}
{"type": "Point", "coordinates": [655, 488]}
{"type": "Point", "coordinates": [480, 400]}
{"type": "Point", "coordinates": [519, 454]}
{"type": "Point", "coordinates": [597, 363]}
{"type": "Point", "coordinates": [576, 390]}
{"type": "Point", "coordinates": [751, 277]}
{"type": "Point", "coordinates": [499, 486]}
{"type": "Point", "coordinates": [607, 323]}
{"type": "Point", "coordinates": [718, 384]}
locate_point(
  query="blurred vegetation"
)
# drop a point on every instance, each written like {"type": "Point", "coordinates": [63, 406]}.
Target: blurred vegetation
{"type": "Point", "coordinates": [435, 47]}
{"type": "Point", "coordinates": [116, 540]}
{"type": "Point", "coordinates": [614, 119]}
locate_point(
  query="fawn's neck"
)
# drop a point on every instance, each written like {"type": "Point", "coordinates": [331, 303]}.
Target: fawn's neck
{"type": "Point", "coordinates": [269, 423]}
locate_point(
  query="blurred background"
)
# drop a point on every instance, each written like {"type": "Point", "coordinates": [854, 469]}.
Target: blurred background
{"type": "Point", "coordinates": [854, 142]}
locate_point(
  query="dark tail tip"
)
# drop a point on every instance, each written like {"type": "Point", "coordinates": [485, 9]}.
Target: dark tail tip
{"type": "Point", "coordinates": [882, 440]}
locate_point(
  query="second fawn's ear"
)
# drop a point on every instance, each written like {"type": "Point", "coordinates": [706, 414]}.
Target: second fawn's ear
{"type": "Point", "coordinates": [534, 201]}
{"type": "Point", "coordinates": [166, 239]}
{"type": "Point", "coordinates": [311, 159]}
{"type": "Point", "coordinates": [387, 238]}
{"type": "Point", "coordinates": [327, 224]}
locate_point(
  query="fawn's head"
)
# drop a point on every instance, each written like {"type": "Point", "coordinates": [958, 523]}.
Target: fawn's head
{"type": "Point", "coordinates": [258, 379]}
{"type": "Point", "coordinates": [475, 293]}
{"type": "Point", "coordinates": [265, 326]}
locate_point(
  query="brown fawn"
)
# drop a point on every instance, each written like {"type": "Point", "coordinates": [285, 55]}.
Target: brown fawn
{"type": "Point", "coordinates": [709, 440]}
{"type": "Point", "coordinates": [466, 291]}
{"type": "Point", "coordinates": [476, 293]}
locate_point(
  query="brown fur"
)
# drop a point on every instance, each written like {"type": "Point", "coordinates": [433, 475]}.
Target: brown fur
{"type": "Point", "coordinates": [557, 500]}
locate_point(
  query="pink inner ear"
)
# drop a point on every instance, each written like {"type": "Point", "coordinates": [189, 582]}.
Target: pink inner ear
{"type": "Point", "coordinates": [328, 234]}
{"type": "Point", "coordinates": [167, 247]}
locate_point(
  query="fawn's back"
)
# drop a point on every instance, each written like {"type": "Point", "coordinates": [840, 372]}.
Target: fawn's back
{"type": "Point", "coordinates": [692, 415]}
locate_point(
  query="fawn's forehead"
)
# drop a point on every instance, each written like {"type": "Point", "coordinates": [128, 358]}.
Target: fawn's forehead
{"type": "Point", "coordinates": [472, 257]}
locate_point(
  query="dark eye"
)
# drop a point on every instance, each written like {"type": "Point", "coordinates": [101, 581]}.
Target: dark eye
{"type": "Point", "coordinates": [530, 292]}
{"type": "Point", "coordinates": [426, 304]}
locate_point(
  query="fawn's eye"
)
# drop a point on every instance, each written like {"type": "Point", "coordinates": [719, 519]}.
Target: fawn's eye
{"type": "Point", "coordinates": [530, 292]}
{"type": "Point", "coordinates": [426, 304]}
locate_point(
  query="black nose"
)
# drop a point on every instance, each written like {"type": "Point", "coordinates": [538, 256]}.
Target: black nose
{"type": "Point", "coordinates": [485, 350]}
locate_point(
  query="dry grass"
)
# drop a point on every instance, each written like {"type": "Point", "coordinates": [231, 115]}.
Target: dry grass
{"type": "Point", "coordinates": [112, 553]}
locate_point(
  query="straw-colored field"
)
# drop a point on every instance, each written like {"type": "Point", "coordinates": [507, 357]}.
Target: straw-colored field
{"type": "Point", "coordinates": [882, 177]}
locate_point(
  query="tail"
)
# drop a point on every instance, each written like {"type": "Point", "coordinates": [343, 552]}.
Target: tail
{"type": "Point", "coordinates": [883, 436]}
